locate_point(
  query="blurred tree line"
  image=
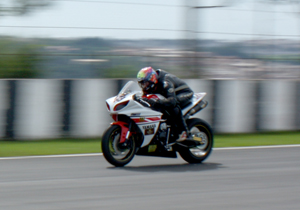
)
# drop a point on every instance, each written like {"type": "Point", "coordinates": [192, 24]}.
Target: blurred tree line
{"type": "Point", "coordinates": [104, 58]}
{"type": "Point", "coordinates": [108, 58]}
{"type": "Point", "coordinates": [18, 60]}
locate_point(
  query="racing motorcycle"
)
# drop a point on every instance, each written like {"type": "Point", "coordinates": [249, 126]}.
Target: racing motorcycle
{"type": "Point", "coordinates": [140, 130]}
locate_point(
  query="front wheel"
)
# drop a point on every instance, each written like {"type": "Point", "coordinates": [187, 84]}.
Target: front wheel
{"type": "Point", "coordinates": [201, 131]}
{"type": "Point", "coordinates": [115, 153]}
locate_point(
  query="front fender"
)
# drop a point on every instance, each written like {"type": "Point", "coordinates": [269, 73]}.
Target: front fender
{"type": "Point", "coordinates": [128, 129]}
{"type": "Point", "coordinates": [124, 130]}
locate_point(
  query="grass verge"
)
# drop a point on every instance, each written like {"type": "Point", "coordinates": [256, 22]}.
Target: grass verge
{"type": "Point", "coordinates": [257, 139]}
{"type": "Point", "coordinates": [77, 146]}
{"type": "Point", "coordinates": [49, 147]}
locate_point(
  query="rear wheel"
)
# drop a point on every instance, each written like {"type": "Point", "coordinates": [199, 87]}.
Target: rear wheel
{"type": "Point", "coordinates": [201, 131]}
{"type": "Point", "coordinates": [114, 152]}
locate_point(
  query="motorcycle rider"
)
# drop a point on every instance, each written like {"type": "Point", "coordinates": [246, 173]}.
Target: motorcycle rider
{"type": "Point", "coordinates": [176, 92]}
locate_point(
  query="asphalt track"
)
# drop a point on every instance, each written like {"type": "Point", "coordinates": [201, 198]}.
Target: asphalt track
{"type": "Point", "coordinates": [257, 178]}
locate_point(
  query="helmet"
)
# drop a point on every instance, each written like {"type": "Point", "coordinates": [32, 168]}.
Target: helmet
{"type": "Point", "coordinates": [147, 79]}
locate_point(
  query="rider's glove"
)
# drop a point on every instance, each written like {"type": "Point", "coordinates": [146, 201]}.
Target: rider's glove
{"type": "Point", "coordinates": [153, 103]}
{"type": "Point", "coordinates": [141, 100]}
{"type": "Point", "coordinates": [136, 98]}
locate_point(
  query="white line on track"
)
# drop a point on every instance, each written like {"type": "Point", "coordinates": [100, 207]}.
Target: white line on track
{"type": "Point", "coordinates": [50, 156]}
{"type": "Point", "coordinates": [100, 154]}
{"type": "Point", "coordinates": [258, 147]}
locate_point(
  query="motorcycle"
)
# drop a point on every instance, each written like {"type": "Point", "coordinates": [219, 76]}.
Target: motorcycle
{"type": "Point", "coordinates": [140, 130]}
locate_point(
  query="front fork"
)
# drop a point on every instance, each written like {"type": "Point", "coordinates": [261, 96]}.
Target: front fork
{"type": "Point", "coordinates": [125, 130]}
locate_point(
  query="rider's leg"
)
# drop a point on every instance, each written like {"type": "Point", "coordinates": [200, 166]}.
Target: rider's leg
{"type": "Point", "coordinates": [180, 123]}
{"type": "Point", "coordinates": [183, 99]}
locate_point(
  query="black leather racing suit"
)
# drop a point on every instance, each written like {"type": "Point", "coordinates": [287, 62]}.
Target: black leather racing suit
{"type": "Point", "coordinates": [177, 95]}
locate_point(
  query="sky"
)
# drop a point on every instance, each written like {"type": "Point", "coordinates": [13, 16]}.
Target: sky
{"type": "Point", "coordinates": [156, 19]}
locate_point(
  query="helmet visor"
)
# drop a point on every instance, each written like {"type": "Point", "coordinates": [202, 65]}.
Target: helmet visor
{"type": "Point", "coordinates": [145, 85]}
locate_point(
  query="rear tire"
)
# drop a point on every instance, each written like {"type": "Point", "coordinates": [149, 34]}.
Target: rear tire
{"type": "Point", "coordinates": [115, 153]}
{"type": "Point", "coordinates": [201, 129]}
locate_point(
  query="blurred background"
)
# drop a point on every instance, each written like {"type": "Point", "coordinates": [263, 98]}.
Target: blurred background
{"type": "Point", "coordinates": [60, 60]}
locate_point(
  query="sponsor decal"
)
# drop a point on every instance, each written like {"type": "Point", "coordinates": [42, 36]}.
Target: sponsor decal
{"type": "Point", "coordinates": [135, 114]}
{"type": "Point", "coordinates": [152, 148]}
{"type": "Point", "coordinates": [141, 119]}
{"type": "Point", "coordinates": [149, 126]}
{"type": "Point", "coordinates": [149, 131]}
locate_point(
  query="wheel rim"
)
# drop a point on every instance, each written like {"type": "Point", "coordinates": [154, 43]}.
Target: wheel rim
{"type": "Point", "coordinates": [201, 132]}
{"type": "Point", "coordinates": [120, 152]}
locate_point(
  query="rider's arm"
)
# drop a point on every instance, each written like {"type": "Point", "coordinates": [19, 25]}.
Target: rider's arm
{"type": "Point", "coordinates": [169, 93]}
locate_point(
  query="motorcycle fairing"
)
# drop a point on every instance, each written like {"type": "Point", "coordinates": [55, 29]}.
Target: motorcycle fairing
{"type": "Point", "coordinates": [148, 125]}
{"type": "Point", "coordinates": [147, 120]}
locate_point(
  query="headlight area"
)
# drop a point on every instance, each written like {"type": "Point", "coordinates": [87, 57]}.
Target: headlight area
{"type": "Point", "coordinates": [120, 105]}
{"type": "Point", "coordinates": [108, 107]}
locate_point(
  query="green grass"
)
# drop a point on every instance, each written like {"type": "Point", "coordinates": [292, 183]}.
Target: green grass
{"type": "Point", "coordinates": [258, 139]}
{"type": "Point", "coordinates": [77, 146]}
{"type": "Point", "coordinates": [49, 147]}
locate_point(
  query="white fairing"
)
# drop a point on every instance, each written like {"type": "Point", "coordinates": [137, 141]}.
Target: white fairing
{"type": "Point", "coordinates": [146, 119]}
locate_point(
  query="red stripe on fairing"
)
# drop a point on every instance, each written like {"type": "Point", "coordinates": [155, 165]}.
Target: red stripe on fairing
{"type": "Point", "coordinates": [136, 120]}
{"type": "Point", "coordinates": [154, 118]}
{"type": "Point", "coordinates": [149, 119]}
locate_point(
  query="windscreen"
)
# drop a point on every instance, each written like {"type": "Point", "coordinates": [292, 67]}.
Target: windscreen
{"type": "Point", "coordinates": [130, 87]}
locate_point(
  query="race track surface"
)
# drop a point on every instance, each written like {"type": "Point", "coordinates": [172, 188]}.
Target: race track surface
{"type": "Point", "coordinates": [228, 179]}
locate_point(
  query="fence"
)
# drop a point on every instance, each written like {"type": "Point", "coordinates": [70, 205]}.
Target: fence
{"type": "Point", "coordinates": [45, 108]}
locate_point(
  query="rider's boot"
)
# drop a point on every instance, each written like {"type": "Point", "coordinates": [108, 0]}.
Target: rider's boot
{"type": "Point", "coordinates": [182, 136]}
{"type": "Point", "coordinates": [185, 133]}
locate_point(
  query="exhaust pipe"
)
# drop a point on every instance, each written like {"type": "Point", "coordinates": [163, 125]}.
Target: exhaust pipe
{"type": "Point", "coordinates": [195, 109]}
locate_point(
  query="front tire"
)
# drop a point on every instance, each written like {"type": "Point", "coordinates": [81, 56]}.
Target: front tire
{"type": "Point", "coordinates": [115, 153]}
{"type": "Point", "coordinates": [201, 130]}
